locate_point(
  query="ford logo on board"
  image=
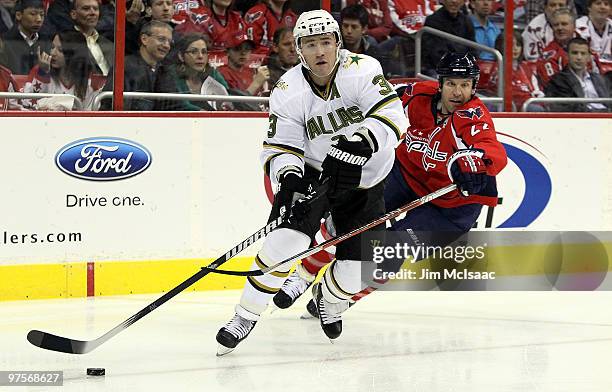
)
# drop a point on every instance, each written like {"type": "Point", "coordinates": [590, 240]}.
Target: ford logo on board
{"type": "Point", "coordinates": [103, 159]}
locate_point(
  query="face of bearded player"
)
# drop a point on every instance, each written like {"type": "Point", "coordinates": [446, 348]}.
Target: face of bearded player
{"type": "Point", "coordinates": [455, 92]}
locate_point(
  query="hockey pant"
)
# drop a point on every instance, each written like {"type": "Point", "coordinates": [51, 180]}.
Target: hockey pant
{"type": "Point", "coordinates": [342, 281]}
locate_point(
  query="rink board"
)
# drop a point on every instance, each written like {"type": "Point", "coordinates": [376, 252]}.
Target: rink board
{"type": "Point", "coordinates": [202, 192]}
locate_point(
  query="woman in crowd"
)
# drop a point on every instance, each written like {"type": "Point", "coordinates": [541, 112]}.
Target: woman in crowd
{"type": "Point", "coordinates": [66, 70]}
{"type": "Point", "coordinates": [195, 76]}
{"type": "Point", "coordinates": [524, 81]}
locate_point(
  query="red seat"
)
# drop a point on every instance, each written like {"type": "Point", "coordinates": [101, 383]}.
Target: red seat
{"type": "Point", "coordinates": [20, 80]}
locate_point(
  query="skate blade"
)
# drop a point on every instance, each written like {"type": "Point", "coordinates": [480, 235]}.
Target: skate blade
{"type": "Point", "coordinates": [222, 350]}
{"type": "Point", "coordinates": [273, 308]}
{"type": "Point", "coordinates": [307, 316]}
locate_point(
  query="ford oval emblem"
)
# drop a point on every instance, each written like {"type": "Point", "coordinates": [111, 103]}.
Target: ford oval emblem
{"type": "Point", "coordinates": [103, 159]}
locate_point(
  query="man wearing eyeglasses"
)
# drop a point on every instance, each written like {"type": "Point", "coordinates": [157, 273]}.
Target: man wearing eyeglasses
{"type": "Point", "coordinates": [144, 71]}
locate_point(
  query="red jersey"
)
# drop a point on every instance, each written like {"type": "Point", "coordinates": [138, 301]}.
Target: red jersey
{"type": "Point", "coordinates": [426, 146]}
{"type": "Point", "coordinates": [524, 83]}
{"type": "Point", "coordinates": [261, 24]}
{"type": "Point", "coordinates": [7, 84]}
{"type": "Point", "coordinates": [189, 15]}
{"type": "Point", "coordinates": [240, 79]}
{"type": "Point", "coordinates": [408, 16]}
{"type": "Point", "coordinates": [220, 28]}
{"type": "Point", "coordinates": [379, 18]}
{"type": "Point", "coordinates": [553, 60]}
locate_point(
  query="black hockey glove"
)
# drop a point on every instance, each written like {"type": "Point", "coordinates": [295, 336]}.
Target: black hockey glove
{"type": "Point", "coordinates": [344, 163]}
{"type": "Point", "coordinates": [468, 170]}
{"type": "Point", "coordinates": [291, 188]}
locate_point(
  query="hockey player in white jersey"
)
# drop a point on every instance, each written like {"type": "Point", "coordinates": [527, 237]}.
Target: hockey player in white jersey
{"type": "Point", "coordinates": [333, 118]}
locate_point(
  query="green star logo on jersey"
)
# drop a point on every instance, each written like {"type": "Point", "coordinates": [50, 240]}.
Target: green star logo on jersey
{"type": "Point", "coordinates": [355, 60]}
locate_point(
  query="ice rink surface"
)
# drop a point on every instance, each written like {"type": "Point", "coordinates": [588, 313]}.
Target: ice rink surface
{"type": "Point", "coordinates": [392, 341]}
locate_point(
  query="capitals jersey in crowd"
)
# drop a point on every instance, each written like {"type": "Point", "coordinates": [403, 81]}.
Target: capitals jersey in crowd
{"type": "Point", "coordinates": [379, 20]}
{"type": "Point", "coordinates": [554, 59]}
{"type": "Point", "coordinates": [408, 16]}
{"type": "Point", "coordinates": [600, 44]}
{"type": "Point", "coordinates": [220, 28]}
{"type": "Point", "coordinates": [190, 14]}
{"type": "Point", "coordinates": [262, 23]}
{"type": "Point", "coordinates": [536, 36]}
{"type": "Point", "coordinates": [304, 119]}
{"type": "Point", "coordinates": [427, 145]}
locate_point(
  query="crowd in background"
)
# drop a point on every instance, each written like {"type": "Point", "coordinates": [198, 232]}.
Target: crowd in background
{"type": "Point", "coordinates": [561, 48]}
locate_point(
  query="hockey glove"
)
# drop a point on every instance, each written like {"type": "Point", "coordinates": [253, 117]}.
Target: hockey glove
{"type": "Point", "coordinates": [344, 163]}
{"type": "Point", "coordinates": [468, 170]}
{"type": "Point", "coordinates": [291, 188]}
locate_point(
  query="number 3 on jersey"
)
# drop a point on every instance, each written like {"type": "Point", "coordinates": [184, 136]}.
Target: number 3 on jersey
{"type": "Point", "coordinates": [272, 126]}
{"type": "Point", "coordinates": [382, 82]}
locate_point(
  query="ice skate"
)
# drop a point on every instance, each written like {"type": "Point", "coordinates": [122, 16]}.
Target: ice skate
{"type": "Point", "coordinates": [330, 314]}
{"type": "Point", "coordinates": [234, 332]}
{"type": "Point", "coordinates": [292, 289]}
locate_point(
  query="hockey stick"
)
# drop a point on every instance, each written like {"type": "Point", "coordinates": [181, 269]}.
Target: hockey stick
{"type": "Point", "coordinates": [335, 240]}
{"type": "Point", "coordinates": [49, 341]}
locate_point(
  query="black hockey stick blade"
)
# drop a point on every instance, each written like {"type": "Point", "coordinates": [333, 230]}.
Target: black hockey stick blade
{"type": "Point", "coordinates": [336, 240]}
{"type": "Point", "coordinates": [57, 343]}
{"type": "Point", "coordinates": [49, 341]}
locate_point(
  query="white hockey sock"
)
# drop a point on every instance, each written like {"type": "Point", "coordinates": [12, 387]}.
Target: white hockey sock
{"type": "Point", "coordinates": [342, 280]}
{"type": "Point", "coordinates": [278, 246]}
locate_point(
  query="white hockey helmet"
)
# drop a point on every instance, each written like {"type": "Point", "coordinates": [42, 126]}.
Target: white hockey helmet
{"type": "Point", "coordinates": [314, 23]}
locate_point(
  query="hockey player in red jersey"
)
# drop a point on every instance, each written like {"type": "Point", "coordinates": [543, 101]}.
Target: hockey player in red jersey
{"type": "Point", "coordinates": [263, 19]}
{"type": "Point", "coordinates": [451, 138]}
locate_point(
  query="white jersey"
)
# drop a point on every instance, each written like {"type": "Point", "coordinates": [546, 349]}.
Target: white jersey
{"type": "Point", "coordinates": [536, 36]}
{"type": "Point", "coordinates": [304, 120]}
{"type": "Point", "coordinates": [600, 44]}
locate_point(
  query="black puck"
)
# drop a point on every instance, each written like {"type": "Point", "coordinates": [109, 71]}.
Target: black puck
{"type": "Point", "coordinates": [96, 371]}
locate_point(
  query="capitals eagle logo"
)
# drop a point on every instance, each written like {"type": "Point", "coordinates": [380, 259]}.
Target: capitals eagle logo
{"type": "Point", "coordinates": [471, 113]}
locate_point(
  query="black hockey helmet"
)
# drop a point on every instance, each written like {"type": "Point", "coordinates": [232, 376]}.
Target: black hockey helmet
{"type": "Point", "coordinates": [458, 65]}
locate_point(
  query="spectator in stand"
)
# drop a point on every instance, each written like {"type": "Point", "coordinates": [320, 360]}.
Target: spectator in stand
{"type": "Point", "coordinates": [7, 15]}
{"type": "Point", "coordinates": [408, 16]}
{"type": "Point", "coordinates": [524, 80]}
{"type": "Point", "coordinates": [66, 70]}
{"type": "Point", "coordinates": [238, 72]}
{"type": "Point", "coordinates": [144, 71]}
{"type": "Point", "coordinates": [354, 28]}
{"type": "Point", "coordinates": [58, 17]}
{"type": "Point", "coordinates": [7, 83]}
{"type": "Point", "coordinates": [22, 42]}
{"type": "Point", "coordinates": [539, 31]}
{"type": "Point", "coordinates": [485, 30]}
{"type": "Point", "coordinates": [575, 81]}
{"type": "Point", "coordinates": [195, 76]}
{"type": "Point", "coordinates": [597, 29]}
{"type": "Point", "coordinates": [135, 11]}
{"type": "Point", "coordinates": [283, 57]}
{"type": "Point", "coordinates": [554, 55]}
{"type": "Point", "coordinates": [159, 10]}
{"type": "Point", "coordinates": [397, 53]}
{"type": "Point", "coordinates": [264, 19]}
{"type": "Point", "coordinates": [534, 8]}
{"type": "Point", "coordinates": [189, 16]}
{"type": "Point", "coordinates": [451, 19]}
{"type": "Point", "coordinates": [379, 17]}
{"type": "Point", "coordinates": [86, 14]}
{"type": "Point", "coordinates": [219, 22]}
